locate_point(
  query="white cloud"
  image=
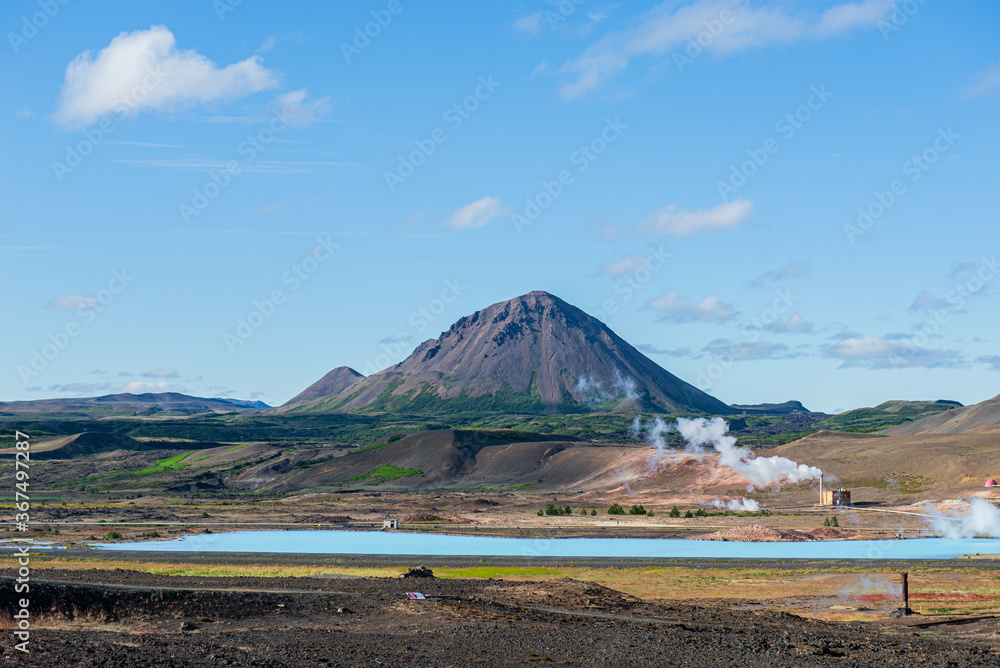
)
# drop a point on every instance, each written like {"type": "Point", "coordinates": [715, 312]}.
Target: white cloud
{"type": "Point", "coordinates": [880, 353]}
{"type": "Point", "coordinates": [529, 24]}
{"type": "Point", "coordinates": [674, 308]}
{"type": "Point", "coordinates": [301, 112]}
{"type": "Point", "coordinates": [142, 387]}
{"type": "Point", "coordinates": [682, 223]}
{"type": "Point", "coordinates": [795, 323]}
{"type": "Point", "coordinates": [848, 16]}
{"type": "Point", "coordinates": [985, 82]}
{"type": "Point", "coordinates": [160, 373]}
{"type": "Point", "coordinates": [627, 265]}
{"type": "Point", "coordinates": [477, 214]}
{"type": "Point", "coordinates": [668, 27]}
{"type": "Point", "coordinates": [72, 302]}
{"type": "Point", "coordinates": [144, 70]}
{"type": "Point", "coordinates": [793, 269]}
{"type": "Point", "coordinates": [863, 348]}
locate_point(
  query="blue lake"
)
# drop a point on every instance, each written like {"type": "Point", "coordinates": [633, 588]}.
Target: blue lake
{"type": "Point", "coordinates": [398, 543]}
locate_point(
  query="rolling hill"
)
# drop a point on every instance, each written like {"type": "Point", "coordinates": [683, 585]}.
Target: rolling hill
{"type": "Point", "coordinates": [121, 405]}
{"type": "Point", "coordinates": [532, 354]}
{"type": "Point", "coordinates": [981, 418]}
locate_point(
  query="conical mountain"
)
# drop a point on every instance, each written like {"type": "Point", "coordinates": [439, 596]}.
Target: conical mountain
{"type": "Point", "coordinates": [332, 383]}
{"type": "Point", "coordinates": [534, 353]}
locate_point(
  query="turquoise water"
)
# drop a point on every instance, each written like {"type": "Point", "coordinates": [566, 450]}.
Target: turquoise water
{"type": "Point", "coordinates": [383, 542]}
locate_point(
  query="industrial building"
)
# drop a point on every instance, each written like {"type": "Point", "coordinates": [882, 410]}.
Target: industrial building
{"type": "Point", "coordinates": [833, 497]}
{"type": "Point", "coordinates": [836, 497]}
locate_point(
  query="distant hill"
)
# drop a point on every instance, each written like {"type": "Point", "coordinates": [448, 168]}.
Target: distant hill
{"type": "Point", "coordinates": [887, 414]}
{"type": "Point", "coordinates": [124, 405]}
{"type": "Point", "coordinates": [981, 418]}
{"type": "Point", "coordinates": [532, 354]}
{"type": "Point", "coordinates": [771, 409]}
{"type": "Point", "coordinates": [332, 383]}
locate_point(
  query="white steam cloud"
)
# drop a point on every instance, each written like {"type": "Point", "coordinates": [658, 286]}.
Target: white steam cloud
{"type": "Point", "coordinates": [759, 471]}
{"type": "Point", "coordinates": [746, 505]}
{"type": "Point", "coordinates": [977, 518]}
{"type": "Point", "coordinates": [654, 431]}
{"type": "Point", "coordinates": [595, 393]}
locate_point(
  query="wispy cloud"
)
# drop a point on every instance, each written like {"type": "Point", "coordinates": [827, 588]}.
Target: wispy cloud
{"type": "Point", "coordinates": [749, 350]}
{"type": "Point", "coordinates": [529, 24]}
{"type": "Point", "coordinates": [80, 389]}
{"type": "Point", "coordinates": [925, 301]}
{"type": "Point", "coordinates": [627, 265]}
{"type": "Point", "coordinates": [254, 167]}
{"type": "Point", "coordinates": [160, 373]}
{"type": "Point", "coordinates": [992, 361]}
{"type": "Point", "coordinates": [143, 144]}
{"type": "Point", "coordinates": [793, 269]}
{"type": "Point", "coordinates": [675, 308]}
{"type": "Point", "coordinates": [679, 222]}
{"type": "Point", "coordinates": [477, 214]}
{"type": "Point", "coordinates": [71, 302]}
{"type": "Point", "coordinates": [669, 26]}
{"type": "Point", "coordinates": [795, 324]}
{"type": "Point", "coordinates": [149, 60]}
{"type": "Point", "coordinates": [851, 15]}
{"type": "Point", "coordinates": [985, 82]}
{"type": "Point", "coordinates": [301, 111]}
{"type": "Point", "coordinates": [650, 349]}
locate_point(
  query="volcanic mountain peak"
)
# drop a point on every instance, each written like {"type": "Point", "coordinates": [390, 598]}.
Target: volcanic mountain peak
{"type": "Point", "coordinates": [533, 353]}
{"type": "Point", "coordinates": [334, 382]}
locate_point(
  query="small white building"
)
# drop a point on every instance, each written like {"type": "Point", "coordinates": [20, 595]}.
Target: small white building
{"type": "Point", "coordinates": [390, 524]}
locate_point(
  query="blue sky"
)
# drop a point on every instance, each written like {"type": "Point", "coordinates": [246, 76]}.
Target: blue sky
{"type": "Point", "coordinates": [774, 200]}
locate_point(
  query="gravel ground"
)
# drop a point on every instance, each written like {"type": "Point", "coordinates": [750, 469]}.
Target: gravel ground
{"type": "Point", "coordinates": [128, 618]}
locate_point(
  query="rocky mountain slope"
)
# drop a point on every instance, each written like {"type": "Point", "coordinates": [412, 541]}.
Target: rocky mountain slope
{"type": "Point", "coordinates": [532, 354]}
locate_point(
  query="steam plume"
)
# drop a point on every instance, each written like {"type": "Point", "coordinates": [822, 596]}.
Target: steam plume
{"type": "Point", "coordinates": [595, 393]}
{"type": "Point", "coordinates": [746, 505]}
{"type": "Point", "coordinates": [977, 518]}
{"type": "Point", "coordinates": [759, 471]}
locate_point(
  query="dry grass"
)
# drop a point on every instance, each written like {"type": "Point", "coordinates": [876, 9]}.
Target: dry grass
{"type": "Point", "coordinates": [215, 570]}
{"type": "Point", "coordinates": [808, 591]}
